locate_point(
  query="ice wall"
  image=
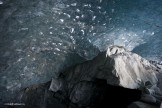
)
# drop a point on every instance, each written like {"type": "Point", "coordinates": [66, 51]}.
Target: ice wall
{"type": "Point", "coordinates": [40, 38]}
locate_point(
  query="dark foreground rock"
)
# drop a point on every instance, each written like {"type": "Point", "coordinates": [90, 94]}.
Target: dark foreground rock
{"type": "Point", "coordinates": [139, 104]}
{"type": "Point", "coordinates": [92, 94]}
{"type": "Point", "coordinates": [115, 78]}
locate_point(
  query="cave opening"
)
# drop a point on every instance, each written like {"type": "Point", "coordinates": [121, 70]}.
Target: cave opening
{"type": "Point", "coordinates": [115, 96]}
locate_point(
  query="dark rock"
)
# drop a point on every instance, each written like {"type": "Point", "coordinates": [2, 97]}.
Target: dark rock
{"type": "Point", "coordinates": [38, 96]}
{"type": "Point", "coordinates": [112, 76]}
{"type": "Point", "coordinates": [148, 98]}
{"type": "Point", "coordinates": [92, 94]}
{"type": "Point", "coordinates": [139, 104]}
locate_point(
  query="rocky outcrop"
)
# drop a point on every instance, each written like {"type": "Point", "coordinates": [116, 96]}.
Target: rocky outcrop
{"type": "Point", "coordinates": [89, 84]}
{"type": "Point", "coordinates": [139, 104]}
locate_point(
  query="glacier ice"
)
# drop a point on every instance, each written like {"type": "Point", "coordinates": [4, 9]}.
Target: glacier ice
{"type": "Point", "coordinates": [40, 38]}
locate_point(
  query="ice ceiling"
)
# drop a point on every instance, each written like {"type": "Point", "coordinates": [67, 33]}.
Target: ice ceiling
{"type": "Point", "coordinates": [38, 38]}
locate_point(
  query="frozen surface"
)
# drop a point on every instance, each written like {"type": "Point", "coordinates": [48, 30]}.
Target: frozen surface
{"type": "Point", "coordinates": [39, 38]}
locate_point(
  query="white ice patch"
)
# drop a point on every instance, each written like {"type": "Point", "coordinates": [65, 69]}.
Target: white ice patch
{"type": "Point", "coordinates": [19, 50]}
{"type": "Point", "coordinates": [82, 16]}
{"type": "Point", "coordinates": [82, 31]}
{"type": "Point", "coordinates": [104, 24]}
{"type": "Point", "coordinates": [19, 60]}
{"type": "Point", "coordinates": [99, 7]}
{"type": "Point", "coordinates": [144, 31]}
{"type": "Point", "coordinates": [89, 40]}
{"type": "Point", "coordinates": [33, 59]}
{"type": "Point", "coordinates": [40, 33]}
{"type": "Point", "coordinates": [72, 30]}
{"type": "Point", "coordinates": [62, 20]}
{"type": "Point", "coordinates": [67, 15]}
{"type": "Point", "coordinates": [1, 2]}
{"type": "Point", "coordinates": [78, 10]}
{"type": "Point", "coordinates": [60, 44]}
{"type": "Point", "coordinates": [85, 5]}
{"type": "Point", "coordinates": [110, 19]}
{"type": "Point", "coordinates": [94, 34]}
{"type": "Point", "coordinates": [77, 17]}
{"type": "Point", "coordinates": [57, 49]}
{"type": "Point", "coordinates": [50, 33]}
{"type": "Point", "coordinates": [94, 17]}
{"type": "Point", "coordinates": [73, 4]}
{"type": "Point", "coordinates": [56, 9]}
{"type": "Point", "coordinates": [67, 5]}
{"type": "Point", "coordinates": [53, 43]}
{"type": "Point", "coordinates": [51, 27]}
{"type": "Point", "coordinates": [23, 29]}
{"type": "Point", "coordinates": [152, 33]}
{"type": "Point", "coordinates": [39, 14]}
{"type": "Point", "coordinates": [73, 40]}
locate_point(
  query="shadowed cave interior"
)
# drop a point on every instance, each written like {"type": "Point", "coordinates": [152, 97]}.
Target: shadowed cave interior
{"type": "Point", "coordinates": [118, 97]}
{"type": "Point", "coordinates": [97, 94]}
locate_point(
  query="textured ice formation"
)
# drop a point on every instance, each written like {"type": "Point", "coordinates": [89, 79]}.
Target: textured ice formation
{"type": "Point", "coordinates": [40, 38]}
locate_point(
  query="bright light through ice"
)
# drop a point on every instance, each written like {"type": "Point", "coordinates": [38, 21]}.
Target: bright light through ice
{"type": "Point", "coordinates": [128, 39]}
{"type": "Point", "coordinates": [1, 2]}
{"type": "Point", "coordinates": [120, 37]}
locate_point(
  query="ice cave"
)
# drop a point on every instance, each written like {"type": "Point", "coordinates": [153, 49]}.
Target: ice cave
{"type": "Point", "coordinates": [80, 53]}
